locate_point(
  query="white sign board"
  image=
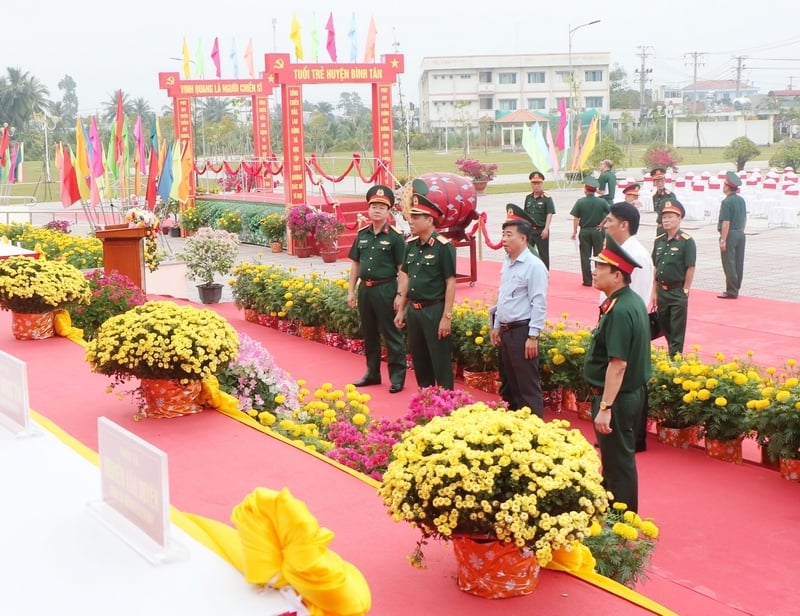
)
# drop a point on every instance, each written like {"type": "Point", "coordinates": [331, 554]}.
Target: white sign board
{"type": "Point", "coordinates": [134, 489]}
{"type": "Point", "coordinates": [14, 403]}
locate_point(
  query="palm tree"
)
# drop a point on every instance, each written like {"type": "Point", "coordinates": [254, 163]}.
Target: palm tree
{"type": "Point", "coordinates": [21, 96]}
{"type": "Point", "coordinates": [215, 109]}
{"type": "Point", "coordinates": [110, 107]}
{"type": "Point", "coordinates": [140, 107]}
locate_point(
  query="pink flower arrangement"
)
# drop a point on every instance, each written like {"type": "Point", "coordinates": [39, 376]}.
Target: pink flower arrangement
{"type": "Point", "coordinates": [481, 172]}
{"type": "Point", "coordinates": [302, 221]}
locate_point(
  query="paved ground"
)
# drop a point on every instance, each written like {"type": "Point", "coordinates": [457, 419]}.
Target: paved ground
{"type": "Point", "coordinates": [770, 265]}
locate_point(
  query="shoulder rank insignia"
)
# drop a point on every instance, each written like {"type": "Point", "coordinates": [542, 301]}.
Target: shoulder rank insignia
{"type": "Point", "coordinates": [366, 226]}
{"type": "Point", "coordinates": [685, 236]}
{"type": "Point", "coordinates": [544, 194]}
{"type": "Point", "coordinates": [658, 237]}
{"type": "Point", "coordinates": [443, 239]}
{"type": "Point", "coordinates": [411, 239]}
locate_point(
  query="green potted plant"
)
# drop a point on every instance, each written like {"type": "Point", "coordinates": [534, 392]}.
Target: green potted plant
{"type": "Point", "coordinates": [487, 479]}
{"type": "Point", "coordinates": [112, 294]}
{"type": "Point", "coordinates": [273, 226]}
{"type": "Point", "coordinates": [177, 347]}
{"type": "Point", "coordinates": [302, 223]}
{"type": "Point", "coordinates": [206, 253]}
{"type": "Point", "coordinates": [191, 219]}
{"type": "Point", "coordinates": [776, 421]}
{"type": "Point", "coordinates": [230, 220]}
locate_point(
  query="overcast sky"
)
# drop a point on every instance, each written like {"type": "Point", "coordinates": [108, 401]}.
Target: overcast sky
{"type": "Point", "coordinates": [105, 47]}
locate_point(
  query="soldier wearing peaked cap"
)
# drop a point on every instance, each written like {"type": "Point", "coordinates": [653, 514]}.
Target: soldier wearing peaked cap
{"type": "Point", "coordinates": [427, 291]}
{"type": "Point", "coordinates": [631, 192]}
{"type": "Point", "coordinates": [588, 213]}
{"type": "Point", "coordinates": [674, 259]}
{"type": "Point", "coordinates": [540, 207]}
{"type": "Point", "coordinates": [731, 224]}
{"type": "Point", "coordinates": [661, 195]}
{"type": "Point", "coordinates": [617, 367]}
{"type": "Point", "coordinates": [377, 254]}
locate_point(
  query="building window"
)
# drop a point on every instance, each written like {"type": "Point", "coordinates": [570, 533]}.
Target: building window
{"type": "Point", "coordinates": [536, 103]}
{"type": "Point", "coordinates": [537, 77]}
{"type": "Point", "coordinates": [466, 76]}
{"type": "Point", "coordinates": [565, 99]}
{"type": "Point", "coordinates": [507, 78]}
{"type": "Point", "coordinates": [485, 77]}
{"type": "Point", "coordinates": [485, 103]}
{"type": "Point", "coordinates": [507, 104]}
{"type": "Point", "coordinates": [594, 102]}
{"type": "Point", "coordinates": [563, 76]}
{"type": "Point", "coordinates": [593, 75]}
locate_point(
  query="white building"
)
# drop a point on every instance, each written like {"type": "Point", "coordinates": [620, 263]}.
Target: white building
{"type": "Point", "coordinates": [459, 91]}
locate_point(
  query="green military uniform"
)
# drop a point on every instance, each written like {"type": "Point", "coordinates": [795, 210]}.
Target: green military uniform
{"type": "Point", "coordinates": [378, 256]}
{"type": "Point", "coordinates": [659, 201]}
{"type": "Point", "coordinates": [538, 208]}
{"type": "Point", "coordinates": [428, 266]}
{"type": "Point", "coordinates": [733, 209]}
{"type": "Point", "coordinates": [671, 258]}
{"type": "Point", "coordinates": [607, 182]}
{"type": "Point", "coordinates": [590, 211]}
{"type": "Point", "coordinates": [622, 332]}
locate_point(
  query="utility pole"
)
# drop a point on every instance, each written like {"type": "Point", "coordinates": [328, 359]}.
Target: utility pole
{"type": "Point", "coordinates": [739, 68]}
{"type": "Point", "coordinates": [643, 73]}
{"type": "Point", "coordinates": [404, 117]}
{"type": "Point", "coordinates": [696, 60]}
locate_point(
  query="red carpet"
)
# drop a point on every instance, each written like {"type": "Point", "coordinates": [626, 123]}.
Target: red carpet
{"type": "Point", "coordinates": [727, 533]}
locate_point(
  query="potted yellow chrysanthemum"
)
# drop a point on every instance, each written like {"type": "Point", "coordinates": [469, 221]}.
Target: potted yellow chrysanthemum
{"type": "Point", "coordinates": [502, 483]}
{"type": "Point", "coordinates": [170, 348]}
{"type": "Point", "coordinates": [32, 289]}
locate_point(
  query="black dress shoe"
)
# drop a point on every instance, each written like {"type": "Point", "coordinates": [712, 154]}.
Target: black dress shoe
{"type": "Point", "coordinates": [395, 388]}
{"type": "Point", "coordinates": [589, 284]}
{"type": "Point", "coordinates": [365, 381]}
{"type": "Point", "coordinates": [726, 296]}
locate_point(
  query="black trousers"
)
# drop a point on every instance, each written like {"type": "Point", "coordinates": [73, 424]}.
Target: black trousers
{"type": "Point", "coordinates": [520, 375]}
{"type": "Point", "coordinates": [617, 450]}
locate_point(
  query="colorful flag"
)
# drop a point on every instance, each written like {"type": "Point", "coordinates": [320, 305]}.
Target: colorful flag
{"type": "Point", "coordinates": [372, 34]}
{"type": "Point", "coordinates": [177, 169]}
{"type": "Point", "coordinates": [562, 123]}
{"type": "Point", "coordinates": [248, 59]}
{"type": "Point", "coordinates": [152, 173]}
{"type": "Point", "coordinates": [138, 135]}
{"type": "Point", "coordinates": [234, 59]}
{"type": "Point", "coordinates": [199, 60]}
{"type": "Point", "coordinates": [294, 35]}
{"type": "Point", "coordinates": [215, 57]}
{"type": "Point", "coordinates": [314, 38]}
{"type": "Point", "coordinates": [12, 165]}
{"type": "Point", "coordinates": [331, 44]}
{"type": "Point", "coordinates": [551, 147]}
{"type": "Point", "coordinates": [69, 184]}
{"type": "Point", "coordinates": [541, 146]}
{"type": "Point", "coordinates": [576, 150]}
{"type": "Point", "coordinates": [111, 155]}
{"type": "Point", "coordinates": [19, 172]}
{"type": "Point", "coordinates": [187, 166]}
{"type": "Point", "coordinates": [165, 180]}
{"type": "Point", "coordinates": [82, 168]}
{"type": "Point", "coordinates": [4, 141]}
{"type": "Point", "coordinates": [588, 145]}
{"type": "Point", "coordinates": [185, 53]}
{"type": "Point", "coordinates": [96, 152]}
{"type": "Point", "coordinates": [351, 34]}
{"type": "Point", "coordinates": [119, 147]}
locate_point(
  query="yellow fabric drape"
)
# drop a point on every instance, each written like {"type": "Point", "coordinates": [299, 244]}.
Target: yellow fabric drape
{"type": "Point", "coordinates": [580, 563]}
{"type": "Point", "coordinates": [62, 323]}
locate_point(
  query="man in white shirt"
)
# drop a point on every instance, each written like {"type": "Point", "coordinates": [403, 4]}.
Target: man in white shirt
{"type": "Point", "coordinates": [622, 223]}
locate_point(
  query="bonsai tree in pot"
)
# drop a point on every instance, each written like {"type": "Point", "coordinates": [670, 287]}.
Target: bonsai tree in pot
{"type": "Point", "coordinates": [327, 231]}
{"type": "Point", "coordinates": [209, 252]}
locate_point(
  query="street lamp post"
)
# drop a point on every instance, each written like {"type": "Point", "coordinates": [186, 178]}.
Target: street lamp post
{"type": "Point", "coordinates": [572, 90]}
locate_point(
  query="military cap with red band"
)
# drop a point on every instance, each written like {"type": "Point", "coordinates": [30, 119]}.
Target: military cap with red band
{"type": "Point", "coordinates": [614, 254]}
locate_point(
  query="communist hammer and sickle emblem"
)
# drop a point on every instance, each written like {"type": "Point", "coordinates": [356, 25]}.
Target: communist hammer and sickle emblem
{"type": "Point", "coordinates": [171, 80]}
{"type": "Point", "coordinates": [278, 64]}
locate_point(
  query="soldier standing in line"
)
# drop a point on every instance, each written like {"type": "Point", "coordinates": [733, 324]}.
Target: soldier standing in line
{"type": "Point", "coordinates": [631, 192]}
{"type": "Point", "coordinates": [661, 195]}
{"type": "Point", "coordinates": [589, 212]}
{"type": "Point", "coordinates": [426, 291]}
{"type": "Point", "coordinates": [674, 258]}
{"type": "Point", "coordinates": [607, 182]}
{"type": "Point", "coordinates": [540, 208]}
{"type": "Point", "coordinates": [377, 254]}
{"type": "Point", "coordinates": [732, 220]}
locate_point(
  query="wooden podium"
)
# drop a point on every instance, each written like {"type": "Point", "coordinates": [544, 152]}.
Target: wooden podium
{"type": "Point", "coordinates": [123, 251]}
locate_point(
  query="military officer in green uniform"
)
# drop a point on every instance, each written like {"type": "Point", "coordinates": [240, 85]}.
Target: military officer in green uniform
{"type": "Point", "coordinates": [540, 208]}
{"type": "Point", "coordinates": [674, 258]}
{"type": "Point", "coordinates": [732, 220]}
{"type": "Point", "coordinates": [589, 212]}
{"type": "Point", "coordinates": [607, 182]}
{"type": "Point", "coordinates": [660, 195]}
{"type": "Point", "coordinates": [427, 290]}
{"type": "Point", "coordinates": [377, 254]}
{"type": "Point", "coordinates": [617, 366]}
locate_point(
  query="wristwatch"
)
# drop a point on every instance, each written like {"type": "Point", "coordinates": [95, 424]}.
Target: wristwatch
{"type": "Point", "coordinates": [604, 406]}
{"type": "Point", "coordinates": [533, 337]}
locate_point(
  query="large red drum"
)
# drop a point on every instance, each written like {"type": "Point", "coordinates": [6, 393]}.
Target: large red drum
{"type": "Point", "coordinates": [454, 195]}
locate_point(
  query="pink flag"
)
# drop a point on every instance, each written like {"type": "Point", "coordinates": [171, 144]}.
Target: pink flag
{"type": "Point", "coordinates": [372, 34]}
{"type": "Point", "coordinates": [97, 150]}
{"type": "Point", "coordinates": [140, 156]}
{"type": "Point", "coordinates": [562, 122]}
{"type": "Point", "coordinates": [69, 183]}
{"type": "Point", "coordinates": [215, 56]}
{"type": "Point", "coordinates": [331, 44]}
{"type": "Point", "coordinates": [551, 148]}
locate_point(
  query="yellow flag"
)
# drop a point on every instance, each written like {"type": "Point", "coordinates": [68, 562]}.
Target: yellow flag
{"type": "Point", "coordinates": [295, 36]}
{"type": "Point", "coordinates": [186, 72]}
{"type": "Point", "coordinates": [588, 144]}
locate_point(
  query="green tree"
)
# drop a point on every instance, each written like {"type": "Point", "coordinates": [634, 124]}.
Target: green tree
{"type": "Point", "coordinates": [621, 96]}
{"type": "Point", "coordinates": [740, 151]}
{"type": "Point", "coordinates": [110, 107]}
{"type": "Point", "coordinates": [607, 149]}
{"type": "Point", "coordinates": [67, 113]}
{"type": "Point", "coordinates": [21, 97]}
{"type": "Point", "coordinates": [215, 109]}
{"type": "Point", "coordinates": [788, 155]}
